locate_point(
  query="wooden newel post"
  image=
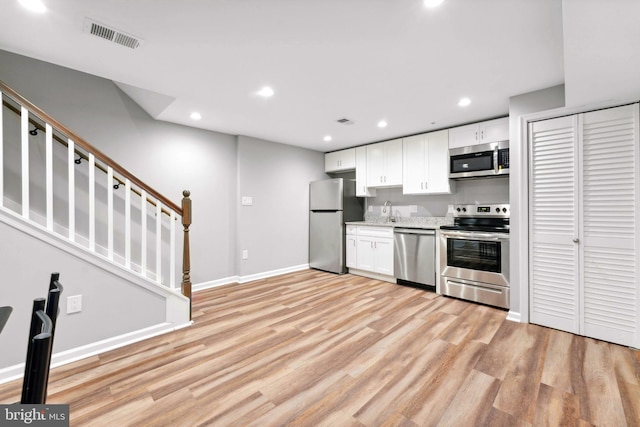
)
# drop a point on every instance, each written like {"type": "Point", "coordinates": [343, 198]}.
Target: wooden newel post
{"type": "Point", "coordinates": [186, 262]}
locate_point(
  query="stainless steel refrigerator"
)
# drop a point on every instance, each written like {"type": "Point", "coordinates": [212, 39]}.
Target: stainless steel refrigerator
{"type": "Point", "coordinates": [332, 202]}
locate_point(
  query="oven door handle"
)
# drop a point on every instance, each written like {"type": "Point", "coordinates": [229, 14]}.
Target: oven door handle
{"type": "Point", "coordinates": [474, 236]}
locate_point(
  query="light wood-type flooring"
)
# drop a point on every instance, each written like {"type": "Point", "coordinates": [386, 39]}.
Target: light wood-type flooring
{"type": "Point", "coordinates": [315, 349]}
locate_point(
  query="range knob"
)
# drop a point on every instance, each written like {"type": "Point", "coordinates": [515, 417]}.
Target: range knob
{"type": "Point", "coordinates": [504, 210]}
{"type": "Point", "coordinates": [458, 209]}
{"type": "Point", "coordinates": [498, 210]}
{"type": "Point", "coordinates": [464, 209]}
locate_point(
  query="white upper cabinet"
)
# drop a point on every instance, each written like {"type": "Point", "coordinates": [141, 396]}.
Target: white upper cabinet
{"type": "Point", "coordinates": [425, 166]}
{"type": "Point", "coordinates": [479, 133]}
{"type": "Point", "coordinates": [384, 164]}
{"type": "Point", "coordinates": [340, 160]}
{"type": "Point", "coordinates": [362, 190]}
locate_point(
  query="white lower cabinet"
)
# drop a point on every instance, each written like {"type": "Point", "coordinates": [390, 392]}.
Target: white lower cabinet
{"type": "Point", "coordinates": [352, 250]}
{"type": "Point", "coordinates": [584, 245]}
{"type": "Point", "coordinates": [374, 249]}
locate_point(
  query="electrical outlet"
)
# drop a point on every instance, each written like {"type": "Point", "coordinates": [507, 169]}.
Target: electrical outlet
{"type": "Point", "coordinates": [247, 201]}
{"type": "Point", "coordinates": [245, 254]}
{"type": "Point", "coordinates": [74, 304]}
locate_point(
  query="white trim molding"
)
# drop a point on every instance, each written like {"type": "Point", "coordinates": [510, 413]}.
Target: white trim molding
{"type": "Point", "coordinates": [245, 279]}
{"type": "Point", "coordinates": [72, 355]}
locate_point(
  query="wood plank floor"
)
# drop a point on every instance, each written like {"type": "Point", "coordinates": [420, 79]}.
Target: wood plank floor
{"type": "Point", "coordinates": [315, 349]}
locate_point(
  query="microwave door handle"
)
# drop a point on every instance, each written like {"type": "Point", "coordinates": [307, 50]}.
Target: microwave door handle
{"type": "Point", "coordinates": [495, 159]}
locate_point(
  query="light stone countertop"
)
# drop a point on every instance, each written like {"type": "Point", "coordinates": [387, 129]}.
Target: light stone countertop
{"type": "Point", "coordinates": [413, 222]}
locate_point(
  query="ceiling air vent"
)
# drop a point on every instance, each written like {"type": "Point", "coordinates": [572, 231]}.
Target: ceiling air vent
{"type": "Point", "coordinates": [109, 33]}
{"type": "Point", "coordinates": [345, 121]}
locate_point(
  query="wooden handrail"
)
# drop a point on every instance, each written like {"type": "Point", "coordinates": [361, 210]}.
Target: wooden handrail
{"type": "Point", "coordinates": [33, 109]}
{"type": "Point", "coordinates": [80, 154]}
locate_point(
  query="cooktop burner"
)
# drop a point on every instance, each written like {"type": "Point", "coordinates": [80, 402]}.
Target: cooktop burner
{"type": "Point", "coordinates": [480, 218]}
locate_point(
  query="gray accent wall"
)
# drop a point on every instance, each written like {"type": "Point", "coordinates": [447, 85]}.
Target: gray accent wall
{"type": "Point", "coordinates": [274, 230]}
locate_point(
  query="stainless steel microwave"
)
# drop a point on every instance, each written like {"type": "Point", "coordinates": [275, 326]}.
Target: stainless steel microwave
{"type": "Point", "coordinates": [479, 160]}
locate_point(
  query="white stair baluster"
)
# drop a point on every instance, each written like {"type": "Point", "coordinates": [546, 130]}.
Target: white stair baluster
{"type": "Point", "coordinates": [92, 202]}
{"type": "Point", "coordinates": [143, 229]}
{"type": "Point", "coordinates": [24, 116]}
{"type": "Point", "coordinates": [158, 241]}
{"type": "Point", "coordinates": [172, 251]}
{"type": "Point", "coordinates": [127, 223]}
{"type": "Point", "coordinates": [72, 190]}
{"type": "Point", "coordinates": [49, 175]}
{"type": "Point", "coordinates": [1, 152]}
{"type": "Point", "coordinates": [110, 212]}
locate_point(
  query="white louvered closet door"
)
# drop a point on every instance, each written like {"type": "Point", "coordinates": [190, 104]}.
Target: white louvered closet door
{"type": "Point", "coordinates": [553, 192]}
{"type": "Point", "coordinates": [609, 224]}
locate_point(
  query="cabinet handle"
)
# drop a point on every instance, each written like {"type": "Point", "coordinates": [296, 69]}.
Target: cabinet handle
{"type": "Point", "coordinates": [421, 186]}
{"type": "Point", "coordinates": [481, 134]}
{"type": "Point", "coordinates": [476, 135]}
{"type": "Point", "coordinates": [576, 240]}
{"type": "Point", "coordinates": [425, 185]}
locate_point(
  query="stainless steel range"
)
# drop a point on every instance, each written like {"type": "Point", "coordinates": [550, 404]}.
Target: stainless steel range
{"type": "Point", "coordinates": [474, 254]}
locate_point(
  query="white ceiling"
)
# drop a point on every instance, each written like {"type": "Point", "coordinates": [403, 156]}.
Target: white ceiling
{"type": "Point", "coordinates": [365, 60]}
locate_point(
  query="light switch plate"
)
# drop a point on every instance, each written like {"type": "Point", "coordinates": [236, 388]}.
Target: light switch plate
{"type": "Point", "coordinates": [247, 201]}
{"type": "Point", "coordinates": [74, 304]}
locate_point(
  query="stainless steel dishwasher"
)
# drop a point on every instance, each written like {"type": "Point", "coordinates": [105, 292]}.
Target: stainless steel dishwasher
{"type": "Point", "coordinates": [414, 258]}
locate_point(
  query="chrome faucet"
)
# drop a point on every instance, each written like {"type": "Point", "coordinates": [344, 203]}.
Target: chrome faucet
{"type": "Point", "coordinates": [384, 210]}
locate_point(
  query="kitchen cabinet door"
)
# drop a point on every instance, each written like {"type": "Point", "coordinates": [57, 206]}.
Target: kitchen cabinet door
{"type": "Point", "coordinates": [393, 162]}
{"type": "Point", "coordinates": [426, 164]}
{"type": "Point", "coordinates": [365, 253]}
{"type": "Point", "coordinates": [384, 164]}
{"type": "Point", "coordinates": [479, 133]}
{"type": "Point", "coordinates": [352, 251]}
{"type": "Point", "coordinates": [340, 160]}
{"type": "Point", "coordinates": [463, 136]}
{"type": "Point", "coordinates": [362, 189]}
{"type": "Point", "coordinates": [383, 256]}
{"type": "Point", "coordinates": [437, 161]}
{"type": "Point", "coordinates": [414, 168]}
{"type": "Point", "coordinates": [494, 130]}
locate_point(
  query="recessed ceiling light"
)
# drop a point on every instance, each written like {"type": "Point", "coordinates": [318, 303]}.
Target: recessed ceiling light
{"type": "Point", "coordinates": [34, 5]}
{"type": "Point", "coordinates": [327, 138]}
{"type": "Point", "coordinates": [464, 102]}
{"type": "Point", "coordinates": [432, 3]}
{"type": "Point", "coordinates": [382, 124]}
{"type": "Point", "coordinates": [195, 115]}
{"type": "Point", "coordinates": [266, 92]}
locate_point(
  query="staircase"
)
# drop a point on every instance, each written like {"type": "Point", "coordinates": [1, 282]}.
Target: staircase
{"type": "Point", "coordinates": [60, 190]}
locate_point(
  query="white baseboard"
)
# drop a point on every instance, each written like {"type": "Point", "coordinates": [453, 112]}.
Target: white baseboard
{"type": "Point", "coordinates": [272, 273]}
{"type": "Point", "coordinates": [514, 316]}
{"type": "Point", "coordinates": [244, 279]}
{"type": "Point", "coordinates": [68, 356]}
{"type": "Point", "coordinates": [214, 283]}
{"type": "Point", "coordinates": [372, 275]}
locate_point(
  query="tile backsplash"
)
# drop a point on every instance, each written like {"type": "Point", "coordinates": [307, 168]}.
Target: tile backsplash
{"type": "Point", "coordinates": [406, 207]}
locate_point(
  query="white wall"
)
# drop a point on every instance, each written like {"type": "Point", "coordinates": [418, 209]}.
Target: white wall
{"type": "Point", "coordinates": [275, 228]}
{"type": "Point", "coordinates": [601, 61]}
{"type": "Point", "coordinates": [519, 105]}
